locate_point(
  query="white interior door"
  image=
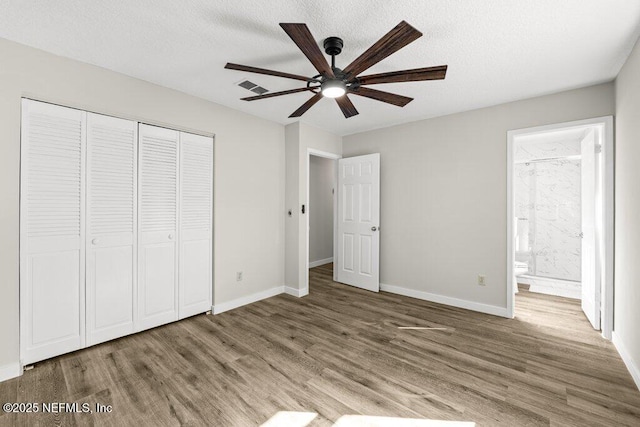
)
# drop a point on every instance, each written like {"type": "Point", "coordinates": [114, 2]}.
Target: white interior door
{"type": "Point", "coordinates": [196, 212]}
{"type": "Point", "coordinates": [157, 226]}
{"type": "Point", "coordinates": [51, 231]}
{"type": "Point", "coordinates": [359, 221]}
{"type": "Point", "coordinates": [111, 226]}
{"type": "Point", "coordinates": [590, 267]}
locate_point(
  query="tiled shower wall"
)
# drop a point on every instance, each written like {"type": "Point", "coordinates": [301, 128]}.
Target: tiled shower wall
{"type": "Point", "coordinates": [549, 216]}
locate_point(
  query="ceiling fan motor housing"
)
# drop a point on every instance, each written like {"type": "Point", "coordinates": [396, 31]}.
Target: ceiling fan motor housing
{"type": "Point", "coordinates": [333, 46]}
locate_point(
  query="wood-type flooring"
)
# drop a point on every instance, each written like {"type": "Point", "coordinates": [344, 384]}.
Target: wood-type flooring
{"type": "Point", "coordinates": [339, 351]}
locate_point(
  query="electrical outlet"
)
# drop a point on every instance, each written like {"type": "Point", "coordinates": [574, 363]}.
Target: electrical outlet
{"type": "Point", "coordinates": [239, 276]}
{"type": "Point", "coordinates": [482, 280]}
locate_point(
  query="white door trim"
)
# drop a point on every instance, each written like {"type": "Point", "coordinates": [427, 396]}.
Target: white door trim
{"type": "Point", "coordinates": [334, 157]}
{"type": "Point", "coordinates": [607, 209]}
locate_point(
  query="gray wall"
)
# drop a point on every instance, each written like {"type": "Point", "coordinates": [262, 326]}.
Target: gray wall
{"type": "Point", "coordinates": [443, 192]}
{"type": "Point", "coordinates": [322, 175]}
{"type": "Point", "coordinates": [301, 137]}
{"type": "Point", "coordinates": [627, 221]}
{"type": "Point", "coordinates": [249, 169]}
{"type": "Point", "coordinates": [292, 204]}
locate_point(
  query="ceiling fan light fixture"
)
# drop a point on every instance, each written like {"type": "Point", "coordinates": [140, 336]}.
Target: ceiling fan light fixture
{"type": "Point", "coordinates": [333, 88]}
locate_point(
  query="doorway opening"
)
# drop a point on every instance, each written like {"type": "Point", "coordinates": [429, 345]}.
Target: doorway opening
{"type": "Point", "coordinates": [560, 216]}
{"type": "Point", "coordinates": [322, 178]}
{"type": "Point", "coordinates": [356, 221]}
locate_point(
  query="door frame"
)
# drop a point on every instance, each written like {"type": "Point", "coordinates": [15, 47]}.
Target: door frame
{"type": "Point", "coordinates": [606, 311]}
{"type": "Point", "coordinates": [335, 158]}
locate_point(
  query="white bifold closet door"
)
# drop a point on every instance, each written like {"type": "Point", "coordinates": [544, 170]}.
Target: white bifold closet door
{"type": "Point", "coordinates": [115, 228]}
{"type": "Point", "coordinates": [51, 231]}
{"type": "Point", "coordinates": [157, 223]}
{"type": "Point", "coordinates": [196, 207]}
{"type": "Point", "coordinates": [110, 226]}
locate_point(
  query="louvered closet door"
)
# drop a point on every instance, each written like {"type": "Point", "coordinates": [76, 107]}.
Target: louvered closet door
{"type": "Point", "coordinates": [157, 223]}
{"type": "Point", "coordinates": [111, 226]}
{"type": "Point", "coordinates": [196, 207]}
{"type": "Point", "coordinates": [51, 231]}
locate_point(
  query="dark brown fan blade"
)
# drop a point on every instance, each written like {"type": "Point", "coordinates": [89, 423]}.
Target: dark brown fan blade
{"type": "Point", "coordinates": [302, 37]}
{"type": "Point", "coordinates": [415, 75]}
{"type": "Point", "coordinates": [271, 95]}
{"type": "Point", "coordinates": [378, 95]}
{"type": "Point", "coordinates": [257, 70]}
{"type": "Point", "coordinates": [346, 106]}
{"type": "Point", "coordinates": [304, 107]}
{"type": "Point", "coordinates": [393, 41]}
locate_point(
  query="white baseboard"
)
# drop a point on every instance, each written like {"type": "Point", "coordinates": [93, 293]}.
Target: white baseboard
{"type": "Point", "coordinates": [239, 302]}
{"type": "Point", "coordinates": [441, 299]}
{"type": "Point", "coordinates": [9, 371]}
{"type": "Point", "coordinates": [565, 293]}
{"type": "Point", "coordinates": [557, 287]}
{"type": "Point", "coordinates": [634, 370]}
{"type": "Point", "coordinates": [320, 262]}
{"type": "Point", "coordinates": [296, 292]}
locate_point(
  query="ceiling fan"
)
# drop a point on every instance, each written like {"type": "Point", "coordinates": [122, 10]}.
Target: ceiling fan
{"type": "Point", "coordinates": [333, 82]}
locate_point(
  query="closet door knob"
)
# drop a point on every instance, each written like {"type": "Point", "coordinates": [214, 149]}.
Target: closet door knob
{"type": "Point", "coordinates": [170, 236]}
{"type": "Point", "coordinates": [94, 241]}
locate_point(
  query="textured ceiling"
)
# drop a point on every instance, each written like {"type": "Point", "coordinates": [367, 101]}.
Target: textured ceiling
{"type": "Point", "coordinates": [497, 50]}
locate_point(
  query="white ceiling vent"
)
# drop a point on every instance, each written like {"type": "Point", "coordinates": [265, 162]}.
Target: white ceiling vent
{"type": "Point", "coordinates": [253, 87]}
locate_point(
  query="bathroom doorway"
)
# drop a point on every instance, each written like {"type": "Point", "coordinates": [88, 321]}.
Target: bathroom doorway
{"type": "Point", "coordinates": [560, 215]}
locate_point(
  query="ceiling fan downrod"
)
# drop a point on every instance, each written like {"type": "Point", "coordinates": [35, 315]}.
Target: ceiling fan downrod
{"type": "Point", "coordinates": [333, 47]}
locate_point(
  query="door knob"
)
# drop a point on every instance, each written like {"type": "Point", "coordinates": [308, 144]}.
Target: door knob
{"type": "Point", "coordinates": [94, 241]}
{"type": "Point", "coordinates": [374, 228]}
{"type": "Point", "coordinates": [170, 236]}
